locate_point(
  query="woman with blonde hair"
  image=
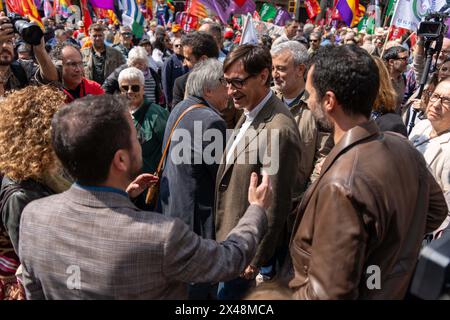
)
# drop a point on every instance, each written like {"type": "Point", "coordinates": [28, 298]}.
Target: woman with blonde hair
{"type": "Point", "coordinates": [383, 110]}
{"type": "Point", "coordinates": [29, 168]}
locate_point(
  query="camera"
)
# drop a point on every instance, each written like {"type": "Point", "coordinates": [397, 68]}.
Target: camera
{"type": "Point", "coordinates": [30, 32]}
{"type": "Point", "coordinates": [433, 26]}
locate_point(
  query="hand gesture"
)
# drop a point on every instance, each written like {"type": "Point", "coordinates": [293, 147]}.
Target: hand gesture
{"type": "Point", "coordinates": [250, 272]}
{"type": "Point", "coordinates": [141, 183]}
{"type": "Point", "coordinates": [260, 195]}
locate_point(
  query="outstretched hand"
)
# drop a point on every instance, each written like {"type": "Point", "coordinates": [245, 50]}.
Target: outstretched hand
{"type": "Point", "coordinates": [141, 183]}
{"type": "Point", "coordinates": [260, 195]}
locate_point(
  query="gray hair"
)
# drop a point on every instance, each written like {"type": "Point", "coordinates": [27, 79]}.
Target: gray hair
{"type": "Point", "coordinates": [204, 76]}
{"type": "Point", "coordinates": [131, 74]}
{"type": "Point", "coordinates": [298, 51]}
{"type": "Point", "coordinates": [137, 53]}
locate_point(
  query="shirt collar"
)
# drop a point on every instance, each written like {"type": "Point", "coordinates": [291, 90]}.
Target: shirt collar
{"type": "Point", "coordinates": [101, 189]}
{"type": "Point", "coordinates": [251, 115]}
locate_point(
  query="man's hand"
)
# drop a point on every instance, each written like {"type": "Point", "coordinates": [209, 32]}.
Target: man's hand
{"type": "Point", "coordinates": [260, 195]}
{"type": "Point", "coordinates": [141, 183]}
{"type": "Point", "coordinates": [250, 272]}
{"type": "Point", "coordinates": [6, 29]}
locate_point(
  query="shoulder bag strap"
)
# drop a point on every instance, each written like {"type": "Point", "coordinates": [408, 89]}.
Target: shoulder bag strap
{"type": "Point", "coordinates": [166, 148]}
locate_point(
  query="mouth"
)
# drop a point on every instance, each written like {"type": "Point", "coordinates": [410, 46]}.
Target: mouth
{"type": "Point", "coordinates": [237, 99]}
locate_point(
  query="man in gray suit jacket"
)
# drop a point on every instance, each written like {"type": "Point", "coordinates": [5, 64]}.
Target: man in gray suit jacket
{"type": "Point", "coordinates": [92, 242]}
{"type": "Point", "coordinates": [265, 138]}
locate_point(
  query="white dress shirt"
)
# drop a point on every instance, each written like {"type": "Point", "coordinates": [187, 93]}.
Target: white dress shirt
{"type": "Point", "coordinates": [249, 117]}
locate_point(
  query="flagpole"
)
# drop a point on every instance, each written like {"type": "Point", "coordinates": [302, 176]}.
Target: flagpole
{"type": "Point", "coordinates": [390, 27]}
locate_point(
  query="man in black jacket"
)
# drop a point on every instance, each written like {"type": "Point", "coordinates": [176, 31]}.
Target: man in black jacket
{"type": "Point", "coordinates": [197, 46]}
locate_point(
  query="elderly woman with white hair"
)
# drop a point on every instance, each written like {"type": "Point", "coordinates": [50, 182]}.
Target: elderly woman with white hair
{"type": "Point", "coordinates": [149, 119]}
{"type": "Point", "coordinates": [137, 57]}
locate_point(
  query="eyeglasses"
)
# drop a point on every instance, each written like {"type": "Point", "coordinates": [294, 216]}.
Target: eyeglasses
{"type": "Point", "coordinates": [312, 40]}
{"type": "Point", "coordinates": [127, 34]}
{"type": "Point", "coordinates": [134, 88]}
{"type": "Point", "coordinates": [445, 101]}
{"type": "Point", "coordinates": [403, 58]}
{"type": "Point", "coordinates": [236, 82]}
{"type": "Point", "coordinates": [177, 45]}
{"type": "Point", "coordinates": [74, 64]}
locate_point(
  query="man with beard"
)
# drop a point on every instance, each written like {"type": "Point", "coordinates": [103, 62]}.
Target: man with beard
{"type": "Point", "coordinates": [360, 226]}
{"type": "Point", "coordinates": [100, 60]}
{"type": "Point", "coordinates": [396, 59]}
{"type": "Point", "coordinates": [92, 242]}
{"type": "Point", "coordinates": [18, 74]}
{"type": "Point", "coordinates": [289, 61]}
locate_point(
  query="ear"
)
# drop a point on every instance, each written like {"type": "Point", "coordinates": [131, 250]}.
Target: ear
{"type": "Point", "coordinates": [301, 69]}
{"type": "Point", "coordinates": [329, 102]}
{"type": "Point", "coordinates": [264, 75]}
{"type": "Point", "coordinates": [121, 161]}
{"type": "Point", "coordinates": [203, 57]}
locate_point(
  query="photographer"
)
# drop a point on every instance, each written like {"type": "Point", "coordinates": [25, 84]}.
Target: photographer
{"type": "Point", "coordinates": [16, 74]}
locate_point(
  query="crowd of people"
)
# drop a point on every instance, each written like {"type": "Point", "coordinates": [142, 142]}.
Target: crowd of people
{"type": "Point", "coordinates": [288, 168]}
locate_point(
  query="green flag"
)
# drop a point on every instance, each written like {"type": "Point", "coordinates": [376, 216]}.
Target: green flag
{"type": "Point", "coordinates": [362, 25]}
{"type": "Point", "coordinates": [268, 11]}
{"type": "Point", "coordinates": [390, 8]}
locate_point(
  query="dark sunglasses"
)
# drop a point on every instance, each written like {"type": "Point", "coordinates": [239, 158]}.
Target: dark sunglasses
{"type": "Point", "coordinates": [134, 88]}
{"type": "Point", "coordinates": [127, 34]}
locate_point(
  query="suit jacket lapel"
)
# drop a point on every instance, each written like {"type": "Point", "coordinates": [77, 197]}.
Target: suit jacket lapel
{"type": "Point", "coordinates": [258, 124]}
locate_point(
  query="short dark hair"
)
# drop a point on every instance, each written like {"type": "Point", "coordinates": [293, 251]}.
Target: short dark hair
{"type": "Point", "coordinates": [202, 44]}
{"type": "Point", "coordinates": [96, 27]}
{"type": "Point", "coordinates": [392, 52]}
{"type": "Point", "coordinates": [87, 133]}
{"type": "Point", "coordinates": [349, 72]}
{"type": "Point", "coordinates": [255, 59]}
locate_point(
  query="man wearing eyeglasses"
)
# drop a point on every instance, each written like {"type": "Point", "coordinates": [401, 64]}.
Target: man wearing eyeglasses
{"type": "Point", "coordinates": [265, 138]}
{"type": "Point", "coordinates": [69, 66]}
{"type": "Point", "coordinates": [100, 60]}
{"type": "Point", "coordinates": [126, 41]}
{"type": "Point", "coordinates": [396, 59]}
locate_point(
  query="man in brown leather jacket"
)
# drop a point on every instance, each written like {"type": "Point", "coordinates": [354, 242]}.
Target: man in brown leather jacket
{"type": "Point", "coordinates": [360, 225]}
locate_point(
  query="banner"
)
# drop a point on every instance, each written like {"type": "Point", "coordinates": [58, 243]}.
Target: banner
{"type": "Point", "coordinates": [197, 9]}
{"type": "Point", "coordinates": [103, 4]}
{"type": "Point", "coordinates": [268, 11]}
{"type": "Point", "coordinates": [132, 17]}
{"type": "Point", "coordinates": [282, 17]}
{"type": "Point", "coordinates": [188, 22]}
{"type": "Point", "coordinates": [246, 7]}
{"type": "Point", "coordinates": [408, 13]}
{"type": "Point", "coordinates": [312, 8]}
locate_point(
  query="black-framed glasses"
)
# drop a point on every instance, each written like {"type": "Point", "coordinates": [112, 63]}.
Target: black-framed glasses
{"type": "Point", "coordinates": [236, 82]}
{"type": "Point", "coordinates": [445, 101]}
{"type": "Point", "coordinates": [314, 40]}
{"type": "Point", "coordinates": [134, 88]}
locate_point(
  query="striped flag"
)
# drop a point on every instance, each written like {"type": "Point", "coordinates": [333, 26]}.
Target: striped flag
{"type": "Point", "coordinates": [48, 9]}
{"type": "Point", "coordinates": [29, 9]}
{"type": "Point", "coordinates": [197, 9]}
{"type": "Point", "coordinates": [132, 17]}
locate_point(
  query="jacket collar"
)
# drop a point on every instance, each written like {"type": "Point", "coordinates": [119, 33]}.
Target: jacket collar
{"type": "Point", "coordinates": [351, 138]}
{"type": "Point", "coordinates": [258, 124]}
{"type": "Point", "coordinates": [98, 198]}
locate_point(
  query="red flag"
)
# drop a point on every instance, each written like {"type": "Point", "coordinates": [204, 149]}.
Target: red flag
{"type": "Point", "coordinates": [87, 20]}
{"type": "Point", "coordinates": [14, 6]}
{"type": "Point", "coordinates": [312, 8]}
{"type": "Point", "coordinates": [397, 32]}
{"type": "Point", "coordinates": [240, 3]}
{"type": "Point", "coordinates": [188, 22]}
